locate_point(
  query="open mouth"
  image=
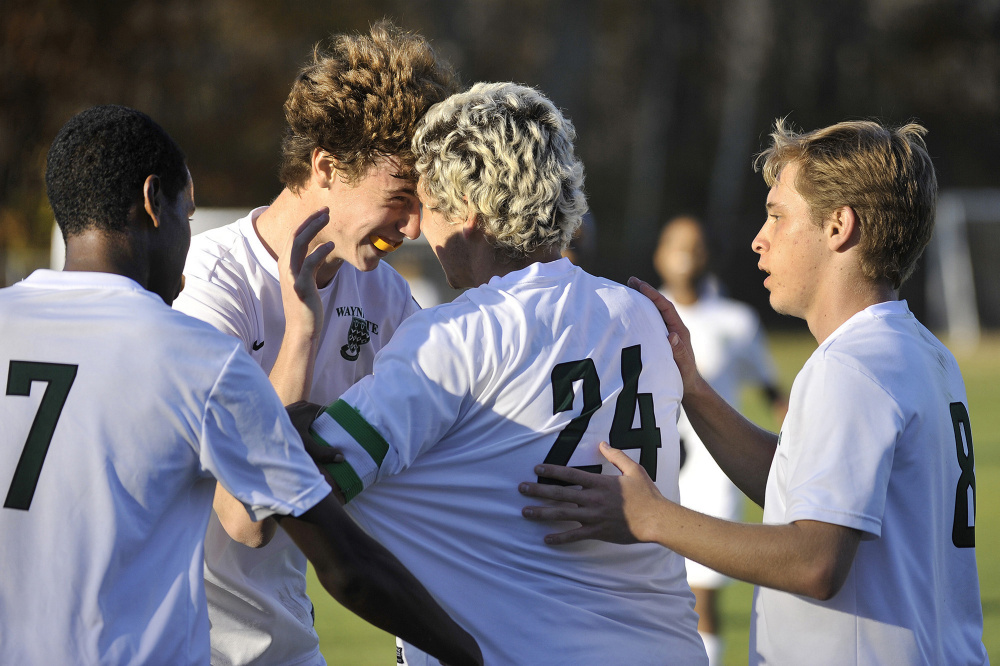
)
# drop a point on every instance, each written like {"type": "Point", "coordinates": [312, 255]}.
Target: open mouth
{"type": "Point", "coordinates": [383, 244]}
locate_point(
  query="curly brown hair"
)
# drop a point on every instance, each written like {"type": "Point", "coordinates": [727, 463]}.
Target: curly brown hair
{"type": "Point", "coordinates": [361, 100]}
{"type": "Point", "coordinates": [883, 173]}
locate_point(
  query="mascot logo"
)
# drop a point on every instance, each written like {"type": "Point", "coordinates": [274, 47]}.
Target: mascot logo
{"type": "Point", "coordinates": [356, 336]}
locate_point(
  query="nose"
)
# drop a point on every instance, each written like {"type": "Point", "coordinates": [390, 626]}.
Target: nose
{"type": "Point", "coordinates": [410, 224]}
{"type": "Point", "coordinates": [759, 243]}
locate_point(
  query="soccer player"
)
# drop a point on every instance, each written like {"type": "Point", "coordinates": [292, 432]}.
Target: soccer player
{"type": "Point", "coordinates": [120, 414]}
{"type": "Point", "coordinates": [729, 344]}
{"type": "Point", "coordinates": [536, 361]}
{"type": "Point", "coordinates": [866, 554]}
{"type": "Point", "coordinates": [312, 302]}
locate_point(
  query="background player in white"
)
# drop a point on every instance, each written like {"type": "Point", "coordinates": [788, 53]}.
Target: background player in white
{"type": "Point", "coordinates": [119, 415]}
{"type": "Point", "coordinates": [312, 302]}
{"type": "Point", "coordinates": [867, 552]}
{"type": "Point", "coordinates": [537, 361]}
{"type": "Point", "coordinates": [729, 343]}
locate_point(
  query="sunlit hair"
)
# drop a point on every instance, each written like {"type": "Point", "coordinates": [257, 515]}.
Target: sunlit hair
{"type": "Point", "coordinates": [884, 174]}
{"type": "Point", "coordinates": [361, 100]}
{"type": "Point", "coordinates": [507, 152]}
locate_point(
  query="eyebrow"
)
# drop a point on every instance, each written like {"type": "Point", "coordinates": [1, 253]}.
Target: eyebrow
{"type": "Point", "coordinates": [402, 176]}
{"type": "Point", "coordinates": [411, 188]}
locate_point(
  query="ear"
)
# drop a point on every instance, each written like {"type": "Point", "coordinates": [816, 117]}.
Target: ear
{"type": "Point", "coordinates": [471, 222]}
{"type": "Point", "coordinates": [324, 167]}
{"type": "Point", "coordinates": [152, 192]}
{"type": "Point", "coordinates": [842, 230]}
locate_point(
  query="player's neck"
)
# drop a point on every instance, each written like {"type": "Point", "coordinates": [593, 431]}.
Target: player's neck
{"type": "Point", "coordinates": [99, 252]}
{"type": "Point", "coordinates": [285, 214]}
{"type": "Point", "coordinates": [835, 306]}
{"type": "Point", "coordinates": [274, 224]}
{"type": "Point", "coordinates": [497, 268]}
{"type": "Point", "coordinates": [683, 293]}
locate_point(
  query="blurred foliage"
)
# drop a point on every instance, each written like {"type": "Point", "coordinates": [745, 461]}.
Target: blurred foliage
{"type": "Point", "coordinates": [670, 99]}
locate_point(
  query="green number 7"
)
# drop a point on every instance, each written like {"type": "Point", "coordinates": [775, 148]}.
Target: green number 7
{"type": "Point", "coordinates": [60, 378]}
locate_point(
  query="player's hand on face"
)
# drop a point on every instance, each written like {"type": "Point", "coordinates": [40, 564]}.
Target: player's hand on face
{"type": "Point", "coordinates": [617, 509]}
{"type": "Point", "coordinates": [297, 268]}
{"type": "Point", "coordinates": [677, 332]}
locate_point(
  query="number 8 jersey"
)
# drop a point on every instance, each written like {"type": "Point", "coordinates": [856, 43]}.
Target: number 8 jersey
{"type": "Point", "coordinates": [877, 439]}
{"type": "Point", "coordinates": [540, 364]}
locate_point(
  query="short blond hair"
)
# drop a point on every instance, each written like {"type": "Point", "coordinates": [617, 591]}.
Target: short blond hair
{"type": "Point", "coordinates": [884, 174]}
{"type": "Point", "coordinates": [507, 152]}
{"type": "Point", "coordinates": [361, 100]}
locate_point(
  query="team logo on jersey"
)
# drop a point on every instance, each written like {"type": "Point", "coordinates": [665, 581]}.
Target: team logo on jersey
{"type": "Point", "coordinates": [359, 333]}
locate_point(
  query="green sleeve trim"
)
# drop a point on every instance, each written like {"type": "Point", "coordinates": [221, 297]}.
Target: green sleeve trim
{"type": "Point", "coordinates": [366, 436]}
{"type": "Point", "coordinates": [362, 431]}
{"type": "Point", "coordinates": [348, 480]}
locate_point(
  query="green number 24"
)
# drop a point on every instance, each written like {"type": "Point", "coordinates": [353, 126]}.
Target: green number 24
{"type": "Point", "coordinates": [622, 436]}
{"type": "Point", "coordinates": [20, 376]}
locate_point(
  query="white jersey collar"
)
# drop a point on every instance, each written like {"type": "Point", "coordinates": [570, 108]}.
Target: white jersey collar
{"type": "Point", "coordinates": [540, 270]}
{"type": "Point", "coordinates": [260, 253]}
{"type": "Point", "coordinates": [264, 258]}
{"type": "Point", "coordinates": [878, 311]}
{"type": "Point", "coordinates": [45, 278]}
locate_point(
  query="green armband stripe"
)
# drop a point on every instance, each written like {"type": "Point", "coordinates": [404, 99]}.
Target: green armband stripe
{"type": "Point", "coordinates": [345, 476]}
{"type": "Point", "coordinates": [362, 431]}
{"type": "Point", "coordinates": [348, 480]}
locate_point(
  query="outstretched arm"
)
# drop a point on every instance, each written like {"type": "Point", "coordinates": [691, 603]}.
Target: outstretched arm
{"type": "Point", "coordinates": [369, 581]}
{"type": "Point", "coordinates": [805, 557]}
{"type": "Point", "coordinates": [742, 449]}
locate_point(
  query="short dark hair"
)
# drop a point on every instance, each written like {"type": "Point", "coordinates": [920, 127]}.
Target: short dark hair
{"type": "Point", "coordinates": [98, 163]}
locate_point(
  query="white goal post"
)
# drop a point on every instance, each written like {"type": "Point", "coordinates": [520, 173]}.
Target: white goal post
{"type": "Point", "coordinates": [951, 288]}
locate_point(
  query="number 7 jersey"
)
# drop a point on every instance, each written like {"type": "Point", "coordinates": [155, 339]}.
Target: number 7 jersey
{"type": "Point", "coordinates": [540, 364]}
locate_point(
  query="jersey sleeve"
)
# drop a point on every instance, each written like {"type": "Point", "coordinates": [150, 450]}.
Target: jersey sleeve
{"type": "Point", "coordinates": [251, 447]}
{"type": "Point", "coordinates": [218, 298]}
{"type": "Point", "coordinates": [840, 433]}
{"type": "Point", "coordinates": [418, 390]}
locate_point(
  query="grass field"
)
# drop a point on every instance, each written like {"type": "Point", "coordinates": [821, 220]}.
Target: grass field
{"type": "Point", "coordinates": [347, 641]}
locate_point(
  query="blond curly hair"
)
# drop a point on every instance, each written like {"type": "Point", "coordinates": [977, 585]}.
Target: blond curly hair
{"type": "Point", "coordinates": [361, 100]}
{"type": "Point", "coordinates": [883, 173]}
{"type": "Point", "coordinates": [507, 152]}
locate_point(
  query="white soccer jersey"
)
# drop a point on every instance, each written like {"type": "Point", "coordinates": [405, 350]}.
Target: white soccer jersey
{"type": "Point", "coordinates": [877, 439]}
{"type": "Point", "coordinates": [729, 346]}
{"type": "Point", "coordinates": [124, 412]}
{"type": "Point", "coordinates": [257, 597]}
{"type": "Point", "coordinates": [540, 364]}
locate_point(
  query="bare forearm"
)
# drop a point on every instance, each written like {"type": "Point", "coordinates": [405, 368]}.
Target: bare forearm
{"type": "Point", "coordinates": [806, 557]}
{"type": "Point", "coordinates": [369, 581]}
{"type": "Point", "coordinates": [292, 373]}
{"type": "Point", "coordinates": [743, 450]}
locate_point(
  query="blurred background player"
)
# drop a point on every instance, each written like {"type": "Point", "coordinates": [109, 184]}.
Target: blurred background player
{"type": "Point", "coordinates": [537, 360]}
{"type": "Point", "coordinates": [312, 302]}
{"type": "Point", "coordinates": [732, 352]}
{"type": "Point", "coordinates": [120, 414]}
